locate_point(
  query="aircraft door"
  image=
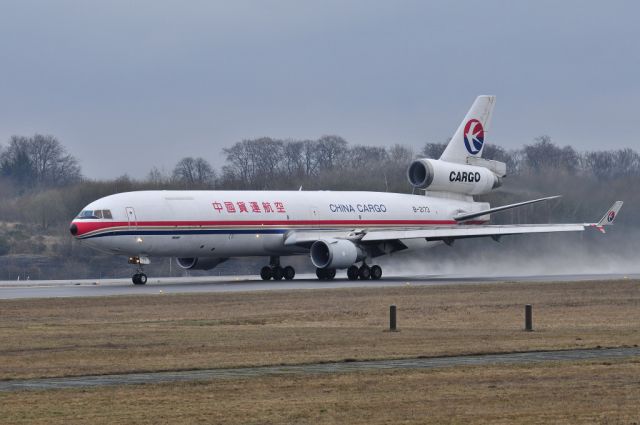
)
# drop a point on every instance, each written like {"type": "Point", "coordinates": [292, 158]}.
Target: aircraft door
{"type": "Point", "coordinates": [131, 218]}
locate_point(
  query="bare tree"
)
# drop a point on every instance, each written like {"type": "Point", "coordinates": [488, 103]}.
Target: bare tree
{"type": "Point", "coordinates": [310, 158]}
{"type": "Point", "coordinates": [612, 164]}
{"type": "Point", "coordinates": [15, 161]}
{"type": "Point", "coordinates": [40, 160]}
{"type": "Point", "coordinates": [330, 150]}
{"type": "Point", "coordinates": [602, 164]}
{"type": "Point", "coordinates": [627, 162]}
{"type": "Point", "coordinates": [433, 150]}
{"type": "Point", "coordinates": [544, 155]}
{"type": "Point", "coordinates": [254, 163]}
{"type": "Point", "coordinates": [194, 172]}
{"type": "Point", "coordinates": [395, 168]}
{"type": "Point", "coordinates": [158, 178]}
{"type": "Point", "coordinates": [293, 159]}
{"type": "Point", "coordinates": [400, 154]}
{"type": "Point", "coordinates": [366, 157]}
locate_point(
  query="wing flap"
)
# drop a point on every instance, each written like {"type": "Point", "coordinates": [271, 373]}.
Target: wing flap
{"type": "Point", "coordinates": [306, 238]}
{"type": "Point", "coordinates": [459, 232]}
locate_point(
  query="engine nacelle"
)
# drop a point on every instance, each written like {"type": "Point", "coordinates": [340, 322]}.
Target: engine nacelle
{"type": "Point", "coordinates": [335, 253]}
{"type": "Point", "coordinates": [443, 176]}
{"type": "Point", "coordinates": [198, 263]}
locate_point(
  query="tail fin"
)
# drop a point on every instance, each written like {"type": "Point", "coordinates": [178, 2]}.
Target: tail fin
{"type": "Point", "coordinates": [468, 139]}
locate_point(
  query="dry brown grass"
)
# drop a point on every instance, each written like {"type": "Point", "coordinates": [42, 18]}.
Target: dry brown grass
{"type": "Point", "coordinates": [59, 337]}
{"type": "Point", "coordinates": [565, 393]}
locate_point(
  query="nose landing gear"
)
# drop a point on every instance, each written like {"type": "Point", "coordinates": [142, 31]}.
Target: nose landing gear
{"type": "Point", "coordinates": [139, 278]}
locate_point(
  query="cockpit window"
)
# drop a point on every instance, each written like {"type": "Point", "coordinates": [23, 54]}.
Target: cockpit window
{"type": "Point", "coordinates": [86, 214]}
{"type": "Point", "coordinates": [95, 214]}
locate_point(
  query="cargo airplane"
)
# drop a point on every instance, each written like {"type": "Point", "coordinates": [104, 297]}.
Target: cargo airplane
{"type": "Point", "coordinates": [338, 230]}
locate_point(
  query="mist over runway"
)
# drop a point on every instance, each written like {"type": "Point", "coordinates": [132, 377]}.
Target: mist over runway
{"type": "Point", "coordinates": [212, 284]}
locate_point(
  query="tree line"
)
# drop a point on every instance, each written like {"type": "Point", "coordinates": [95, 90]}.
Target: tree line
{"type": "Point", "coordinates": [41, 182]}
{"type": "Point", "coordinates": [41, 162]}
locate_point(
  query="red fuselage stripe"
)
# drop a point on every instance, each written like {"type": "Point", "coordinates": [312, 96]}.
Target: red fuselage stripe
{"type": "Point", "coordinates": [86, 227]}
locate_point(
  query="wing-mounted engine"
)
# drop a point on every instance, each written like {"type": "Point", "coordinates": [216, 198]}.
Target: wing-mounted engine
{"type": "Point", "coordinates": [335, 253]}
{"type": "Point", "coordinates": [442, 176]}
{"type": "Point", "coordinates": [199, 263]}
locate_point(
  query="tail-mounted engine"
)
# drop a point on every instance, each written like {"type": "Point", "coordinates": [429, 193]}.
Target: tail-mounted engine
{"type": "Point", "coordinates": [443, 176]}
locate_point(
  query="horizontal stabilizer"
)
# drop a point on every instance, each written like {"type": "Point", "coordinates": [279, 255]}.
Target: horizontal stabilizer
{"type": "Point", "coordinates": [471, 216]}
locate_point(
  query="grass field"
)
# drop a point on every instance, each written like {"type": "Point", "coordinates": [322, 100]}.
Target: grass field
{"type": "Point", "coordinates": [564, 393]}
{"type": "Point", "coordinates": [62, 337]}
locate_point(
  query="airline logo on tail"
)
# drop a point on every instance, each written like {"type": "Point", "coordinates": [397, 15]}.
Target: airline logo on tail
{"type": "Point", "coordinates": [473, 136]}
{"type": "Point", "coordinates": [611, 216]}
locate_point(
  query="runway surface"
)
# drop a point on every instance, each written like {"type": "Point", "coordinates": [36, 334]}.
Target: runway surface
{"type": "Point", "coordinates": [110, 287]}
{"type": "Point", "coordinates": [318, 368]}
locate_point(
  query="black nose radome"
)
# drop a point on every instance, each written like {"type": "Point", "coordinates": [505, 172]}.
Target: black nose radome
{"type": "Point", "coordinates": [73, 229]}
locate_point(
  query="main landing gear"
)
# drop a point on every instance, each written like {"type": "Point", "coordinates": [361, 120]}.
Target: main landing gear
{"type": "Point", "coordinates": [354, 272]}
{"type": "Point", "coordinates": [326, 274]}
{"type": "Point", "coordinates": [364, 272]}
{"type": "Point", "coordinates": [276, 272]}
{"type": "Point", "coordinates": [139, 278]}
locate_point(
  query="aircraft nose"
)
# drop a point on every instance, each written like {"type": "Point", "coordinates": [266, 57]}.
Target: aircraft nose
{"type": "Point", "coordinates": [73, 229]}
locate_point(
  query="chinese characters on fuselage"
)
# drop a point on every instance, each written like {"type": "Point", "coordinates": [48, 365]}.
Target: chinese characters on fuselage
{"type": "Point", "coordinates": [246, 207]}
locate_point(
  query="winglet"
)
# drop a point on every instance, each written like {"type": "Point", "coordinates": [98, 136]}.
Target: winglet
{"type": "Point", "coordinates": [610, 216]}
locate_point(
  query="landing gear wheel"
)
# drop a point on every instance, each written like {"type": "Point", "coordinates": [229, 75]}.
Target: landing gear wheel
{"type": "Point", "coordinates": [289, 273]}
{"type": "Point", "coordinates": [265, 273]}
{"type": "Point", "coordinates": [326, 274]}
{"type": "Point", "coordinates": [364, 273]}
{"type": "Point", "coordinates": [352, 273]}
{"type": "Point", "coordinates": [139, 279]}
{"type": "Point", "coordinates": [376, 272]}
{"type": "Point", "coordinates": [277, 273]}
{"type": "Point", "coordinates": [331, 274]}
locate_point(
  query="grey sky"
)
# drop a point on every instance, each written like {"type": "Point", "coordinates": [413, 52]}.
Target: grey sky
{"type": "Point", "coordinates": [126, 85]}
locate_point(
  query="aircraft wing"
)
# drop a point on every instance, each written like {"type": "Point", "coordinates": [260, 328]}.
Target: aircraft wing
{"type": "Point", "coordinates": [446, 233]}
{"type": "Point", "coordinates": [450, 233]}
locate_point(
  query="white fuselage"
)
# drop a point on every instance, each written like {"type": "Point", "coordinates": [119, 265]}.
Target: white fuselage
{"type": "Point", "coordinates": [250, 223]}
